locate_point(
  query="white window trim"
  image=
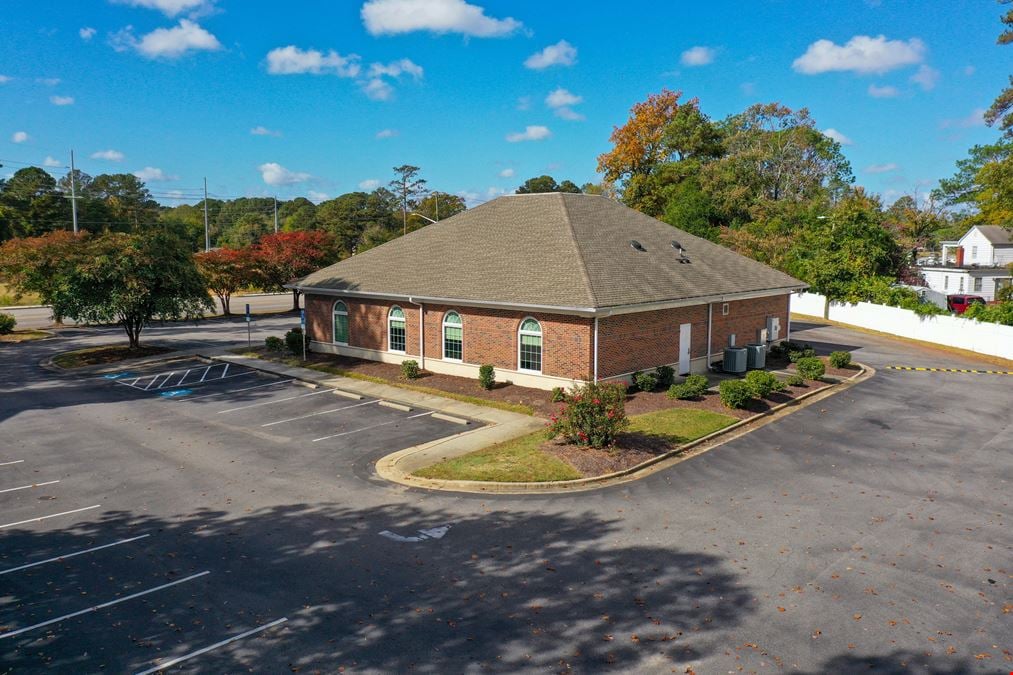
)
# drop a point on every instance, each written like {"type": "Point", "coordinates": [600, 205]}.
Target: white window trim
{"type": "Point", "coordinates": [540, 334]}
{"type": "Point", "coordinates": [724, 309]}
{"type": "Point", "coordinates": [404, 320]}
{"type": "Point", "coordinates": [333, 312]}
{"type": "Point", "coordinates": [443, 344]}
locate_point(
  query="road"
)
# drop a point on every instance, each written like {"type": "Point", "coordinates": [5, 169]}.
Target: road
{"type": "Point", "coordinates": [42, 317]}
{"type": "Point", "coordinates": [868, 532]}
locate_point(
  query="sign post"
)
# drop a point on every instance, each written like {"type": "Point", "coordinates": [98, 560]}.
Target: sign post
{"type": "Point", "coordinates": [302, 324]}
{"type": "Point", "coordinates": [249, 337]}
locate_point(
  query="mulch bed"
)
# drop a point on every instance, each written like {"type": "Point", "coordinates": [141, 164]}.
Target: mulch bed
{"type": "Point", "coordinates": [537, 399]}
{"type": "Point", "coordinates": [631, 449]}
{"type": "Point", "coordinates": [114, 354]}
{"type": "Point", "coordinates": [645, 402]}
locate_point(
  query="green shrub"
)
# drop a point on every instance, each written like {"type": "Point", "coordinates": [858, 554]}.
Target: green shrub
{"type": "Point", "coordinates": [274, 344]}
{"type": "Point", "coordinates": [811, 368]}
{"type": "Point", "coordinates": [840, 359]}
{"type": "Point", "coordinates": [794, 380]}
{"type": "Point", "coordinates": [806, 352]}
{"type": "Point", "coordinates": [7, 323]}
{"type": "Point", "coordinates": [735, 393]}
{"type": "Point", "coordinates": [693, 386]}
{"type": "Point", "coordinates": [594, 415]}
{"type": "Point", "coordinates": [486, 376]}
{"type": "Point", "coordinates": [294, 340]}
{"type": "Point", "coordinates": [558, 394]}
{"type": "Point", "coordinates": [646, 380]}
{"type": "Point", "coordinates": [410, 369]}
{"type": "Point", "coordinates": [1000, 312]}
{"type": "Point", "coordinates": [762, 383]}
{"type": "Point", "coordinates": [666, 376]}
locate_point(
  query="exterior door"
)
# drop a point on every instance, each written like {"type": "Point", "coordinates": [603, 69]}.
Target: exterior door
{"type": "Point", "coordinates": [684, 347]}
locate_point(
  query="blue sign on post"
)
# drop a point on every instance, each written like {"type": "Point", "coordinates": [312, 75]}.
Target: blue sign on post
{"type": "Point", "coordinates": [302, 318]}
{"type": "Point", "coordinates": [302, 324]}
{"type": "Point", "coordinates": [248, 318]}
{"type": "Point", "coordinates": [249, 334]}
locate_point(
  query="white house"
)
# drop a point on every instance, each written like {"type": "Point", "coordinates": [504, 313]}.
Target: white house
{"type": "Point", "coordinates": [977, 264]}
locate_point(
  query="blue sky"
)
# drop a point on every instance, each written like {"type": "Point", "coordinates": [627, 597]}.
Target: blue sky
{"type": "Point", "coordinates": [480, 94]}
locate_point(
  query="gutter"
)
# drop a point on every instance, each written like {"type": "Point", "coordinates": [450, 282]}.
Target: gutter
{"type": "Point", "coordinates": [422, 333]}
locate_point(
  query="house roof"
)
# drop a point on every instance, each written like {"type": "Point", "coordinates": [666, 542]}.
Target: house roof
{"type": "Point", "coordinates": [998, 236]}
{"type": "Point", "coordinates": [558, 250]}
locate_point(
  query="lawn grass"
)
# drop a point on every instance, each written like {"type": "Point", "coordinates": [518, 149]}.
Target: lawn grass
{"type": "Point", "coordinates": [8, 299]}
{"type": "Point", "coordinates": [92, 356]}
{"type": "Point", "coordinates": [25, 335]}
{"type": "Point", "coordinates": [522, 459]}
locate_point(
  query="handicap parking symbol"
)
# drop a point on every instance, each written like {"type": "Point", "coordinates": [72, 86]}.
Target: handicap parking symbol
{"type": "Point", "coordinates": [117, 376]}
{"type": "Point", "coordinates": [175, 393]}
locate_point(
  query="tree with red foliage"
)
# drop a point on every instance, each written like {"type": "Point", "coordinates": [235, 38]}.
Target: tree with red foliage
{"type": "Point", "coordinates": [226, 270]}
{"type": "Point", "coordinates": [286, 256]}
{"type": "Point", "coordinates": [37, 264]}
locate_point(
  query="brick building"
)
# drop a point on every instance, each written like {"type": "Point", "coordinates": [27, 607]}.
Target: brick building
{"type": "Point", "coordinates": [548, 288]}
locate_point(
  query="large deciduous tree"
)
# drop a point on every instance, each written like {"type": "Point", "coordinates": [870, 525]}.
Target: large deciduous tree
{"type": "Point", "coordinates": [31, 204]}
{"type": "Point", "coordinates": [541, 184]}
{"type": "Point", "coordinates": [286, 256]}
{"type": "Point", "coordinates": [38, 265]}
{"type": "Point", "coordinates": [226, 271]}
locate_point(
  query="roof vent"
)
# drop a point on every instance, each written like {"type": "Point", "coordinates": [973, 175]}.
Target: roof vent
{"type": "Point", "coordinates": [677, 246]}
{"type": "Point", "coordinates": [637, 245]}
{"type": "Point", "coordinates": [684, 260]}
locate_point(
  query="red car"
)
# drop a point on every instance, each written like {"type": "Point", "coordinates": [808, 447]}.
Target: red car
{"type": "Point", "coordinates": [959, 303]}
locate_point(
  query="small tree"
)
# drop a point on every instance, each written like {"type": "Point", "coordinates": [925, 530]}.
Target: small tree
{"type": "Point", "coordinates": [38, 264]}
{"type": "Point", "coordinates": [286, 256]}
{"type": "Point", "coordinates": [593, 415]}
{"type": "Point", "coordinates": [226, 270]}
{"type": "Point", "coordinates": [130, 280]}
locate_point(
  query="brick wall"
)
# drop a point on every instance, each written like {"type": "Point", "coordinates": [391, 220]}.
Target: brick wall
{"type": "Point", "coordinates": [490, 335]}
{"type": "Point", "coordinates": [632, 342]}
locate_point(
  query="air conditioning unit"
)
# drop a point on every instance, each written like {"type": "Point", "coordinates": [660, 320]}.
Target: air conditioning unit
{"type": "Point", "coordinates": [773, 328]}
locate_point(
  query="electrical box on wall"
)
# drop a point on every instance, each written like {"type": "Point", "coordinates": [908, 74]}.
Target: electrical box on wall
{"type": "Point", "coordinates": [773, 329]}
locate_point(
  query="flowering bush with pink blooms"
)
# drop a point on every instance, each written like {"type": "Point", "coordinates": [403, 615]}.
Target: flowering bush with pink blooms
{"type": "Point", "coordinates": [594, 414]}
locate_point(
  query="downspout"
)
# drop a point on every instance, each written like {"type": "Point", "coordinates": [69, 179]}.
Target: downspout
{"type": "Point", "coordinates": [596, 349]}
{"type": "Point", "coordinates": [710, 319]}
{"type": "Point", "coordinates": [422, 333]}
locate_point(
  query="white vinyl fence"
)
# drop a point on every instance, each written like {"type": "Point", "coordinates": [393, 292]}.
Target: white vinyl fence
{"type": "Point", "coordinates": [985, 338]}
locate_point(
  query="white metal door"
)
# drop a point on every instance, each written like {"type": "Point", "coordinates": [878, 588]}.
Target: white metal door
{"type": "Point", "coordinates": [684, 345]}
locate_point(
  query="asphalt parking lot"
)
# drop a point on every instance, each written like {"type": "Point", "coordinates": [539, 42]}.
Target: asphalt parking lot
{"type": "Point", "coordinates": [868, 533]}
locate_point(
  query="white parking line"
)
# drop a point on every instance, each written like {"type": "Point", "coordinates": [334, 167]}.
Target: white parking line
{"type": "Point", "coordinates": [372, 426]}
{"type": "Point", "coordinates": [205, 650]}
{"type": "Point", "coordinates": [314, 414]}
{"type": "Point", "coordinates": [236, 391]}
{"type": "Point", "coordinates": [277, 400]}
{"type": "Point", "coordinates": [206, 373]}
{"type": "Point", "coordinates": [95, 608]}
{"type": "Point", "coordinates": [16, 461]}
{"type": "Point", "coordinates": [54, 515]}
{"type": "Point", "coordinates": [71, 555]}
{"type": "Point", "coordinates": [25, 487]}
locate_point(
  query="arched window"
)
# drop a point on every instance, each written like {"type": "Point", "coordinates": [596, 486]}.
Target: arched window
{"type": "Point", "coordinates": [340, 315]}
{"type": "Point", "coordinates": [396, 330]}
{"type": "Point", "coordinates": [453, 337]}
{"type": "Point", "coordinates": [529, 346]}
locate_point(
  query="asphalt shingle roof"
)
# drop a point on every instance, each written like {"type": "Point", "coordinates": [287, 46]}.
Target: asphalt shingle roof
{"type": "Point", "coordinates": [995, 234]}
{"type": "Point", "coordinates": [555, 249]}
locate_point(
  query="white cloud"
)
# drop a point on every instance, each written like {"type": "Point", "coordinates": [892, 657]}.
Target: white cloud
{"type": "Point", "coordinates": [168, 43]}
{"type": "Point", "coordinates": [698, 56]}
{"type": "Point", "coordinates": [506, 173]}
{"type": "Point", "coordinates": [61, 100]}
{"type": "Point", "coordinates": [861, 54]}
{"type": "Point", "coordinates": [886, 91]}
{"type": "Point", "coordinates": [51, 162]}
{"type": "Point", "coordinates": [386, 133]}
{"type": "Point", "coordinates": [391, 17]}
{"type": "Point", "coordinates": [293, 61]}
{"type": "Point", "coordinates": [969, 70]}
{"type": "Point", "coordinates": [275, 174]}
{"type": "Point", "coordinates": [975, 119]}
{"type": "Point", "coordinates": [150, 174]}
{"type": "Point", "coordinates": [20, 137]}
{"type": "Point", "coordinates": [569, 114]}
{"type": "Point", "coordinates": [317, 197]}
{"type": "Point", "coordinates": [108, 155]}
{"type": "Point", "coordinates": [926, 77]}
{"type": "Point", "coordinates": [561, 101]}
{"type": "Point", "coordinates": [396, 69]}
{"type": "Point", "coordinates": [836, 135]}
{"type": "Point", "coordinates": [881, 168]}
{"type": "Point", "coordinates": [524, 103]}
{"type": "Point", "coordinates": [369, 184]}
{"type": "Point", "coordinates": [169, 7]}
{"type": "Point", "coordinates": [560, 54]}
{"type": "Point", "coordinates": [261, 130]}
{"type": "Point", "coordinates": [4, 79]}
{"type": "Point", "coordinates": [48, 81]}
{"type": "Point", "coordinates": [86, 33]}
{"type": "Point", "coordinates": [378, 90]}
{"type": "Point", "coordinates": [530, 133]}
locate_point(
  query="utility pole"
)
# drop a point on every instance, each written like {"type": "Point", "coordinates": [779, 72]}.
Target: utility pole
{"type": "Point", "coordinates": [207, 231]}
{"type": "Point", "coordinates": [436, 196]}
{"type": "Point", "coordinates": [276, 215]}
{"type": "Point", "coordinates": [73, 192]}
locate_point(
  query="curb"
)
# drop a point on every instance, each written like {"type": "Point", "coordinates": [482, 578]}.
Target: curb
{"type": "Point", "coordinates": [387, 467]}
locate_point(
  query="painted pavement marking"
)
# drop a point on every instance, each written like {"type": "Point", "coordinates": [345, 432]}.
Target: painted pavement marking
{"type": "Point", "coordinates": [71, 555]}
{"type": "Point", "coordinates": [372, 426]}
{"type": "Point", "coordinates": [319, 412]}
{"type": "Point", "coordinates": [205, 650]}
{"type": "Point", "coordinates": [277, 400]}
{"type": "Point", "coordinates": [952, 370]}
{"type": "Point", "coordinates": [53, 515]}
{"type": "Point", "coordinates": [26, 487]}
